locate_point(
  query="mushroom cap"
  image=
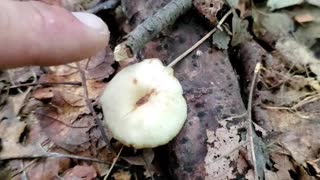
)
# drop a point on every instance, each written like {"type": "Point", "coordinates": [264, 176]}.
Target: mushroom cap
{"type": "Point", "coordinates": [143, 105]}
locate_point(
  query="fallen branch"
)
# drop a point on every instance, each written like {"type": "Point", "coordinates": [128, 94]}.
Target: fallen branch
{"type": "Point", "coordinates": [143, 33]}
{"type": "Point", "coordinates": [109, 4]}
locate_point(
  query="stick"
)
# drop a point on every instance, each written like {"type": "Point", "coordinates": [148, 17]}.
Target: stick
{"type": "Point", "coordinates": [89, 104]}
{"type": "Point", "coordinates": [183, 55]}
{"type": "Point", "coordinates": [113, 163]}
{"type": "Point", "coordinates": [147, 30]}
{"type": "Point", "coordinates": [109, 4]}
{"type": "Point", "coordinates": [251, 128]}
{"type": "Point", "coordinates": [44, 84]}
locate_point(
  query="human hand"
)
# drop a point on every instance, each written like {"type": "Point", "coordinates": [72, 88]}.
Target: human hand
{"type": "Point", "coordinates": [34, 33]}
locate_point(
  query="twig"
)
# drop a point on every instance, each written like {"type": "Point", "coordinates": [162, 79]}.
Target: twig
{"type": "Point", "coordinates": [24, 175]}
{"type": "Point", "coordinates": [108, 4]}
{"type": "Point", "coordinates": [24, 167]}
{"type": "Point", "coordinates": [59, 155]}
{"type": "Point", "coordinates": [147, 30]}
{"type": "Point", "coordinates": [183, 55]}
{"type": "Point", "coordinates": [234, 117]}
{"type": "Point", "coordinates": [54, 155]}
{"type": "Point", "coordinates": [44, 84]}
{"type": "Point", "coordinates": [249, 109]}
{"type": "Point", "coordinates": [113, 163]}
{"type": "Point", "coordinates": [89, 105]}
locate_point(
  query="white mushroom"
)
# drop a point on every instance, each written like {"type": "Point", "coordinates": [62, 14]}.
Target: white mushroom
{"type": "Point", "coordinates": [143, 105]}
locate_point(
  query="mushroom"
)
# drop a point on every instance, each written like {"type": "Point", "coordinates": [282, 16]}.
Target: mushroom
{"type": "Point", "coordinates": [143, 105]}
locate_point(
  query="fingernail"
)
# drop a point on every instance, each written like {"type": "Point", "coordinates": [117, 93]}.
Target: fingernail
{"type": "Point", "coordinates": [92, 21]}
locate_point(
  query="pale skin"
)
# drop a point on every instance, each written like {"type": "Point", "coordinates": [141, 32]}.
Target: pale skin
{"type": "Point", "coordinates": [34, 33]}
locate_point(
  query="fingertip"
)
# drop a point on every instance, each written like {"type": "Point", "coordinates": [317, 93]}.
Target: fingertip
{"type": "Point", "coordinates": [48, 35]}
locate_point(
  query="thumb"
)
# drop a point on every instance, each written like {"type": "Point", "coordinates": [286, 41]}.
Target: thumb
{"type": "Point", "coordinates": [33, 33]}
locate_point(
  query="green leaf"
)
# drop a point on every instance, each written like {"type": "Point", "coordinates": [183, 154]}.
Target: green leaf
{"type": "Point", "coordinates": [233, 3]}
{"type": "Point", "coordinates": [314, 2]}
{"type": "Point", "coordinates": [278, 4]}
{"type": "Point", "coordinates": [278, 24]}
{"type": "Point", "coordinates": [240, 32]}
{"type": "Point", "coordinates": [308, 34]}
{"type": "Point", "coordinates": [220, 39]}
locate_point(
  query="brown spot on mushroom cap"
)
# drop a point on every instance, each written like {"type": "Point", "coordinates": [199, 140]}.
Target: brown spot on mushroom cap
{"type": "Point", "coordinates": [135, 81]}
{"type": "Point", "coordinates": [145, 98]}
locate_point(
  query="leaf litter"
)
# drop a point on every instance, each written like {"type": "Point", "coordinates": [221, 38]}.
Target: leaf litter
{"type": "Point", "coordinates": [52, 117]}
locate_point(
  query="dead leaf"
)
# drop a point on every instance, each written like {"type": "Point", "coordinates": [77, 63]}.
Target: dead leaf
{"type": "Point", "coordinates": [240, 32]}
{"type": "Point", "coordinates": [277, 24]}
{"type": "Point", "coordinates": [99, 66]}
{"type": "Point", "coordinates": [14, 104]}
{"type": "Point", "coordinates": [298, 54]}
{"type": "Point", "coordinates": [148, 156]}
{"type": "Point", "coordinates": [65, 129]}
{"type": "Point", "coordinates": [122, 175]}
{"type": "Point", "coordinates": [304, 18]}
{"type": "Point", "coordinates": [48, 168]}
{"type": "Point", "coordinates": [11, 147]}
{"type": "Point", "coordinates": [135, 160]}
{"type": "Point", "coordinates": [308, 34]}
{"type": "Point", "coordinates": [281, 168]}
{"type": "Point", "coordinates": [218, 144]}
{"type": "Point", "coordinates": [313, 167]}
{"type": "Point", "coordinates": [21, 75]}
{"type": "Point", "coordinates": [302, 142]}
{"type": "Point", "coordinates": [84, 172]}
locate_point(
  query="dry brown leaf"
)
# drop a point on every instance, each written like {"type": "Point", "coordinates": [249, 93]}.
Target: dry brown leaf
{"type": "Point", "coordinates": [66, 129]}
{"type": "Point", "coordinates": [48, 168]}
{"type": "Point", "coordinates": [14, 103]}
{"type": "Point", "coordinates": [122, 175]}
{"type": "Point", "coordinates": [99, 66]}
{"type": "Point", "coordinates": [298, 55]}
{"type": "Point", "coordinates": [20, 75]}
{"type": "Point", "coordinates": [83, 172]}
{"type": "Point", "coordinates": [220, 143]}
{"type": "Point", "coordinates": [135, 160]}
{"type": "Point", "coordinates": [304, 18]}
{"type": "Point", "coordinates": [302, 142]}
{"type": "Point", "coordinates": [11, 147]}
{"type": "Point", "coordinates": [283, 167]}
